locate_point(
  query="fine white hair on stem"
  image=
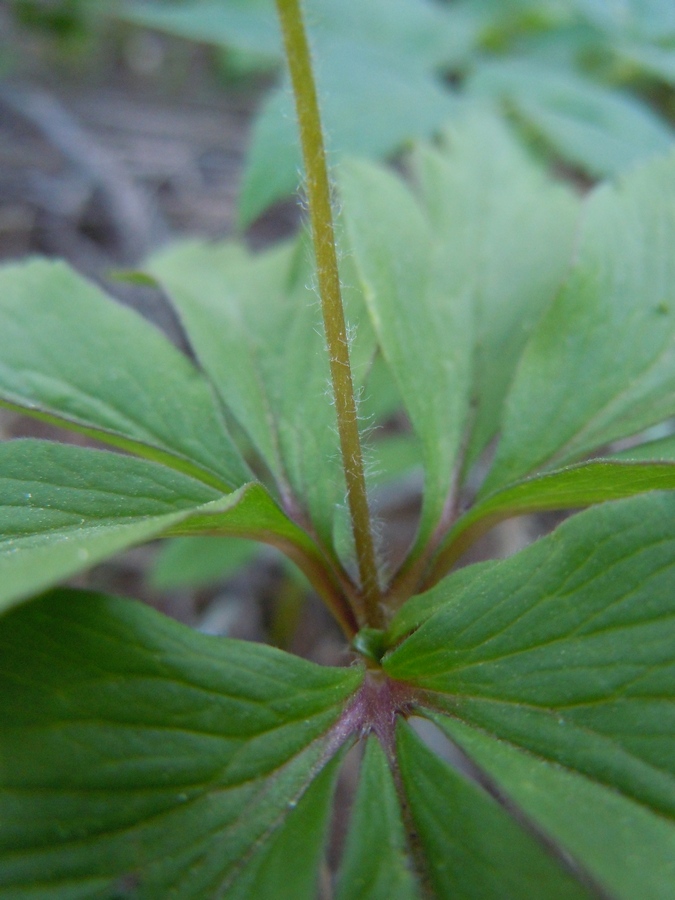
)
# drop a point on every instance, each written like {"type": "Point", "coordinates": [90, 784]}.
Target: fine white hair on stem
{"type": "Point", "coordinates": [335, 201]}
{"type": "Point", "coordinates": [329, 393]}
{"type": "Point", "coordinates": [302, 194]}
{"type": "Point", "coordinates": [299, 58]}
{"type": "Point", "coordinates": [352, 329]}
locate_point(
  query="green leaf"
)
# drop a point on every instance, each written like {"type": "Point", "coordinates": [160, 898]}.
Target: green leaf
{"type": "Point", "coordinates": [420, 33]}
{"type": "Point", "coordinates": [603, 131]}
{"type": "Point", "coordinates": [654, 60]}
{"type": "Point", "coordinates": [661, 449]}
{"type": "Point", "coordinates": [473, 847]}
{"type": "Point", "coordinates": [249, 512]}
{"type": "Point", "coordinates": [564, 45]}
{"type": "Point", "coordinates": [648, 18]}
{"type": "Point", "coordinates": [506, 230]}
{"type": "Point", "coordinates": [196, 561]}
{"type": "Point", "coordinates": [66, 508]}
{"type": "Point", "coordinates": [570, 396]}
{"type": "Point", "coordinates": [77, 359]}
{"type": "Point", "coordinates": [376, 864]}
{"type": "Point", "coordinates": [582, 485]}
{"type": "Point", "coordinates": [256, 328]}
{"type": "Point", "coordinates": [247, 25]}
{"type": "Point", "coordinates": [274, 873]}
{"type": "Point", "coordinates": [622, 844]}
{"type": "Point", "coordinates": [376, 67]}
{"type": "Point", "coordinates": [237, 315]}
{"type": "Point", "coordinates": [370, 643]}
{"type": "Point", "coordinates": [381, 400]}
{"type": "Point", "coordinates": [566, 649]}
{"type": "Point", "coordinates": [414, 29]}
{"type": "Point", "coordinates": [392, 457]}
{"type": "Point", "coordinates": [421, 607]}
{"type": "Point", "coordinates": [372, 104]}
{"type": "Point", "coordinates": [424, 334]}
{"type": "Point", "coordinates": [139, 756]}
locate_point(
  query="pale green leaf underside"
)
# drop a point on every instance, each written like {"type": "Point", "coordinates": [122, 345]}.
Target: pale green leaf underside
{"type": "Point", "coordinates": [628, 848]}
{"type": "Point", "coordinates": [66, 508]}
{"type": "Point", "coordinates": [647, 19]}
{"type": "Point", "coordinates": [455, 287]}
{"type": "Point", "coordinates": [566, 649]}
{"type": "Point", "coordinates": [652, 59]}
{"type": "Point", "coordinates": [392, 457]}
{"type": "Point", "coordinates": [601, 363]}
{"type": "Point", "coordinates": [71, 355]}
{"type": "Point", "coordinates": [248, 25]}
{"type": "Point", "coordinates": [139, 756]}
{"type": "Point", "coordinates": [418, 29]}
{"type": "Point", "coordinates": [375, 61]}
{"type": "Point", "coordinates": [220, 292]}
{"type": "Point", "coordinates": [601, 130]}
{"type": "Point", "coordinates": [582, 485]}
{"type": "Point", "coordinates": [256, 328]}
{"type": "Point", "coordinates": [506, 230]}
{"type": "Point", "coordinates": [425, 335]}
{"type": "Point", "coordinates": [372, 103]}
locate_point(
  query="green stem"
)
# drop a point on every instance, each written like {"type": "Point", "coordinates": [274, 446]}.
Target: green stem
{"type": "Point", "coordinates": [323, 236]}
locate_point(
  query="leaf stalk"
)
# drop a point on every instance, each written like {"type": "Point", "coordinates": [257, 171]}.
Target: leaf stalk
{"type": "Point", "coordinates": [323, 238]}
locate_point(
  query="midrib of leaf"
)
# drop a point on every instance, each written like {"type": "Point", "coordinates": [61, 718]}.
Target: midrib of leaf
{"type": "Point", "coordinates": [311, 773]}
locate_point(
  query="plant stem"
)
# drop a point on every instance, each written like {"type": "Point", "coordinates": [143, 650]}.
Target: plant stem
{"type": "Point", "coordinates": [323, 237]}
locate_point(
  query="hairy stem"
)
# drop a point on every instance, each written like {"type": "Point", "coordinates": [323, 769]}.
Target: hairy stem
{"type": "Point", "coordinates": [323, 236]}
